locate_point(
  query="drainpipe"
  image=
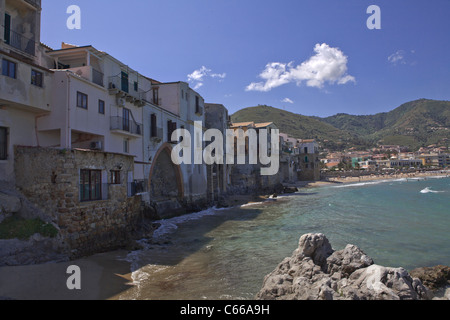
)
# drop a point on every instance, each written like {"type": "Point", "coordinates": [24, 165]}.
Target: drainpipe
{"type": "Point", "coordinates": [68, 134]}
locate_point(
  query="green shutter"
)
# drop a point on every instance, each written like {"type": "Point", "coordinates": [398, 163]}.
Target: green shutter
{"type": "Point", "coordinates": [7, 36]}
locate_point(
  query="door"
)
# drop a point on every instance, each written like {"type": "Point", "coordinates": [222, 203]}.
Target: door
{"type": "Point", "coordinates": [125, 82]}
{"type": "Point", "coordinates": [7, 36]}
{"type": "Point", "coordinates": [126, 120]}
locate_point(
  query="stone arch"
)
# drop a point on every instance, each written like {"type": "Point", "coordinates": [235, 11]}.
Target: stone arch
{"type": "Point", "coordinates": [165, 178]}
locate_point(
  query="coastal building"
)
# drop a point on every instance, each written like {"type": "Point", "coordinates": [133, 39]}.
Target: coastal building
{"type": "Point", "coordinates": [373, 165]}
{"type": "Point", "coordinates": [218, 175]}
{"type": "Point", "coordinates": [289, 158]}
{"type": "Point", "coordinates": [246, 177]}
{"type": "Point", "coordinates": [25, 79]}
{"type": "Point", "coordinates": [435, 159]}
{"type": "Point", "coordinates": [309, 163]}
{"type": "Point", "coordinates": [173, 189]}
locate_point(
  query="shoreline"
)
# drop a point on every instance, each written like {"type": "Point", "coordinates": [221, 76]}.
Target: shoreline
{"type": "Point", "coordinates": [105, 276]}
{"type": "Point", "coordinates": [348, 180]}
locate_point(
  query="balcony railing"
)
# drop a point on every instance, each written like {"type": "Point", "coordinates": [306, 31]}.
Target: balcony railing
{"type": "Point", "coordinates": [90, 74]}
{"type": "Point", "coordinates": [122, 84]}
{"type": "Point", "coordinates": [97, 77]}
{"type": "Point", "coordinates": [122, 124]}
{"type": "Point", "coordinates": [34, 3]}
{"type": "Point", "coordinates": [156, 134]}
{"type": "Point", "coordinates": [20, 42]}
{"type": "Point", "coordinates": [156, 102]}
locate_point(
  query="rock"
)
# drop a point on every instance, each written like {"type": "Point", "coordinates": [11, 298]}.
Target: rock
{"type": "Point", "coordinates": [348, 260]}
{"type": "Point", "coordinates": [316, 272]}
{"type": "Point", "coordinates": [9, 204]}
{"type": "Point", "coordinates": [290, 190]}
{"type": "Point", "coordinates": [434, 278]}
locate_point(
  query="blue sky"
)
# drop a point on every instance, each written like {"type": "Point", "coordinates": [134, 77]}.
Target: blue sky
{"type": "Point", "coordinates": [306, 56]}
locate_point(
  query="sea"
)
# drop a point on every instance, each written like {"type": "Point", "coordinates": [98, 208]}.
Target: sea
{"type": "Point", "coordinates": [222, 254]}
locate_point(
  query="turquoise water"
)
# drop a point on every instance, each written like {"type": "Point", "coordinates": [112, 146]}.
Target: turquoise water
{"type": "Point", "coordinates": [225, 254]}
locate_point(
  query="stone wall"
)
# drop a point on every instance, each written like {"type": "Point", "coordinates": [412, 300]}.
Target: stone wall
{"type": "Point", "coordinates": [50, 179]}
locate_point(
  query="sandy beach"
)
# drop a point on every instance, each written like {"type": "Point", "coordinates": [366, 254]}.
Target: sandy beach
{"type": "Point", "coordinates": [338, 180]}
{"type": "Point", "coordinates": [102, 277]}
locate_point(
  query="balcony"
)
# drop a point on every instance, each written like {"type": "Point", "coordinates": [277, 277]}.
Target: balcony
{"type": "Point", "coordinates": [20, 42]}
{"type": "Point", "coordinates": [156, 134]}
{"type": "Point", "coordinates": [126, 127]}
{"type": "Point", "coordinates": [130, 90]}
{"type": "Point", "coordinates": [90, 74]}
{"type": "Point", "coordinates": [34, 3]}
{"type": "Point", "coordinates": [198, 110]}
{"type": "Point", "coordinates": [156, 102]}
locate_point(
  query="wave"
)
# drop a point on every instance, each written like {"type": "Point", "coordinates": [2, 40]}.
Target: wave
{"type": "Point", "coordinates": [428, 190]}
{"type": "Point", "coordinates": [169, 225]}
{"type": "Point", "coordinates": [368, 183]}
{"type": "Point", "coordinates": [372, 182]}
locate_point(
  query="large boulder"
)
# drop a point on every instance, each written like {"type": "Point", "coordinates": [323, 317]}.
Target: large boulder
{"type": "Point", "coordinates": [316, 272]}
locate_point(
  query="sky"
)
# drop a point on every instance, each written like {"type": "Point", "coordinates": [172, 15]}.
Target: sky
{"type": "Point", "coordinates": [311, 57]}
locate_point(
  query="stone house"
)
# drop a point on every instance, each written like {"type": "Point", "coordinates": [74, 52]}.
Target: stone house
{"type": "Point", "coordinates": [309, 163]}
{"type": "Point", "coordinates": [93, 213]}
{"type": "Point", "coordinates": [246, 177]}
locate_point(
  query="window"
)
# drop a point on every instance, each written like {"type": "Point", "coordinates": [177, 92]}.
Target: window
{"type": "Point", "coordinates": [115, 177]}
{"type": "Point", "coordinates": [7, 34]}
{"type": "Point", "coordinates": [82, 100]}
{"type": "Point", "coordinates": [3, 143]}
{"type": "Point", "coordinates": [101, 106]}
{"type": "Point", "coordinates": [155, 98]}
{"type": "Point", "coordinates": [124, 81]}
{"type": "Point", "coordinates": [126, 146]}
{"type": "Point", "coordinates": [136, 86]}
{"type": "Point", "coordinates": [153, 126]}
{"type": "Point", "coordinates": [9, 68]}
{"type": "Point", "coordinates": [171, 127]}
{"type": "Point", "coordinates": [90, 185]}
{"type": "Point", "coordinates": [36, 78]}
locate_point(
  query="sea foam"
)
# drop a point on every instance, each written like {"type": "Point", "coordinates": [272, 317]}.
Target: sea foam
{"type": "Point", "coordinates": [428, 190]}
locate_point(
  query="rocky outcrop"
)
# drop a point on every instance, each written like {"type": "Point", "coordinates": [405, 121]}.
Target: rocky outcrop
{"type": "Point", "coordinates": [36, 250]}
{"type": "Point", "coordinates": [316, 272]}
{"type": "Point", "coordinates": [437, 279]}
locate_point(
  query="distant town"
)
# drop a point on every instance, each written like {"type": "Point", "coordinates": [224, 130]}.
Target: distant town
{"type": "Point", "coordinates": [386, 158]}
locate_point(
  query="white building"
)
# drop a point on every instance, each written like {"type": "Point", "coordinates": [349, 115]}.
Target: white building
{"type": "Point", "coordinates": [25, 79]}
{"type": "Point", "coordinates": [174, 106]}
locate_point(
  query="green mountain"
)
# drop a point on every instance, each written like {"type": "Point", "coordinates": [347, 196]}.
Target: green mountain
{"type": "Point", "coordinates": [413, 124]}
{"type": "Point", "coordinates": [301, 127]}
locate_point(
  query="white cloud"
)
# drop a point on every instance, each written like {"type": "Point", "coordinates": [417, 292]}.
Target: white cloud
{"type": "Point", "coordinates": [197, 77]}
{"type": "Point", "coordinates": [398, 57]}
{"type": "Point", "coordinates": [403, 57]}
{"type": "Point", "coordinates": [287, 100]}
{"type": "Point", "coordinates": [327, 65]}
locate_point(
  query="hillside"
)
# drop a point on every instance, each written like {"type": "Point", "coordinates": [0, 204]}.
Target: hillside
{"type": "Point", "coordinates": [300, 126]}
{"type": "Point", "coordinates": [413, 124]}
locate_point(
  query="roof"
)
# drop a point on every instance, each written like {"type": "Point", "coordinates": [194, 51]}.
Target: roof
{"type": "Point", "coordinates": [242, 124]}
{"type": "Point", "coordinates": [263, 125]}
{"type": "Point", "coordinates": [308, 140]}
